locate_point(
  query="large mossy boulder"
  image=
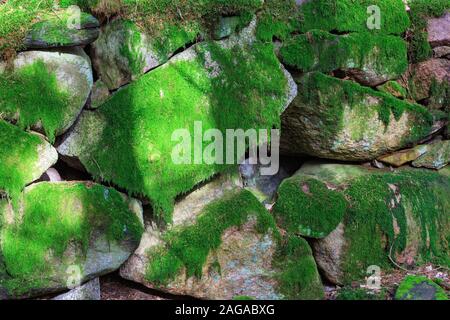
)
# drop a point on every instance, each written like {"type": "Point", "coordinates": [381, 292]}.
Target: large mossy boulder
{"type": "Point", "coordinates": [227, 247]}
{"type": "Point", "coordinates": [24, 157]}
{"type": "Point", "coordinates": [45, 90]}
{"type": "Point", "coordinates": [353, 16]}
{"type": "Point", "coordinates": [123, 52]}
{"type": "Point", "coordinates": [64, 234]}
{"type": "Point", "coordinates": [370, 59]}
{"type": "Point", "coordinates": [361, 217]}
{"type": "Point", "coordinates": [237, 83]}
{"type": "Point", "coordinates": [338, 119]}
{"type": "Point", "coordinates": [62, 28]}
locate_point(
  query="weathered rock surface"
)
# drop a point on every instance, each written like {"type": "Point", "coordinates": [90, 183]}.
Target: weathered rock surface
{"type": "Point", "coordinates": [46, 90]}
{"type": "Point", "coordinates": [123, 52]}
{"type": "Point", "coordinates": [24, 157]}
{"type": "Point", "coordinates": [361, 217]}
{"type": "Point", "coordinates": [88, 291]}
{"type": "Point", "coordinates": [226, 247]}
{"type": "Point", "coordinates": [215, 82]}
{"type": "Point", "coordinates": [436, 157]}
{"type": "Point", "coordinates": [442, 52]}
{"type": "Point", "coordinates": [404, 156]}
{"type": "Point", "coordinates": [65, 234]}
{"type": "Point", "coordinates": [439, 30]}
{"type": "Point", "coordinates": [99, 94]}
{"type": "Point", "coordinates": [393, 88]}
{"type": "Point", "coordinates": [421, 76]}
{"type": "Point", "coordinates": [369, 59]}
{"type": "Point", "coordinates": [63, 28]}
{"type": "Point", "coordinates": [419, 288]}
{"type": "Point", "coordinates": [336, 119]}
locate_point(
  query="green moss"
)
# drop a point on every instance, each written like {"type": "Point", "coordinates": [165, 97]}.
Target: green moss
{"type": "Point", "coordinates": [243, 298]}
{"type": "Point", "coordinates": [56, 217]}
{"type": "Point", "coordinates": [189, 247]}
{"type": "Point", "coordinates": [439, 94]}
{"type": "Point", "coordinates": [14, 145]}
{"type": "Point", "coordinates": [300, 210]}
{"type": "Point", "coordinates": [404, 290]}
{"type": "Point", "coordinates": [323, 90]}
{"type": "Point", "coordinates": [322, 51]}
{"type": "Point", "coordinates": [393, 88]}
{"type": "Point", "coordinates": [298, 278]}
{"type": "Point", "coordinates": [350, 15]}
{"type": "Point", "coordinates": [21, 93]}
{"type": "Point", "coordinates": [348, 293]}
{"type": "Point", "coordinates": [373, 208]}
{"type": "Point", "coordinates": [142, 117]}
{"type": "Point", "coordinates": [420, 10]}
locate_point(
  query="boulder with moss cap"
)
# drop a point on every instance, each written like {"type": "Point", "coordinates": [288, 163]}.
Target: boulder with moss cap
{"type": "Point", "coordinates": [361, 217]}
{"type": "Point", "coordinates": [45, 90]}
{"type": "Point", "coordinates": [338, 119]}
{"type": "Point", "coordinates": [224, 244]}
{"type": "Point", "coordinates": [65, 234]}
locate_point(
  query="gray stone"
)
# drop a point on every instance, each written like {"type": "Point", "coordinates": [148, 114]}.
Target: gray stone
{"type": "Point", "coordinates": [88, 291]}
{"type": "Point", "coordinates": [439, 30]}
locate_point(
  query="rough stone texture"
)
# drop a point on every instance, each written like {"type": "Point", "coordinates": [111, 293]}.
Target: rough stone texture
{"type": "Point", "coordinates": [88, 291]}
{"type": "Point", "coordinates": [99, 95]}
{"type": "Point", "coordinates": [400, 158]}
{"type": "Point", "coordinates": [337, 253]}
{"type": "Point", "coordinates": [350, 130]}
{"type": "Point", "coordinates": [226, 26]}
{"type": "Point", "coordinates": [436, 157]}
{"type": "Point", "coordinates": [73, 71]}
{"type": "Point", "coordinates": [103, 254]}
{"type": "Point", "coordinates": [439, 30]}
{"type": "Point", "coordinates": [57, 30]}
{"type": "Point", "coordinates": [441, 52]}
{"type": "Point", "coordinates": [420, 76]}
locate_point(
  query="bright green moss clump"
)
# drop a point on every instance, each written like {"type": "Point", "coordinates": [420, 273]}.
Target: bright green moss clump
{"type": "Point", "coordinates": [142, 118]}
{"type": "Point", "coordinates": [352, 16]}
{"type": "Point", "coordinates": [298, 278]}
{"type": "Point", "coordinates": [309, 207]}
{"type": "Point", "coordinates": [406, 289]}
{"type": "Point", "coordinates": [21, 93]}
{"type": "Point", "coordinates": [189, 247]}
{"type": "Point", "coordinates": [322, 51]}
{"type": "Point", "coordinates": [420, 10]}
{"type": "Point", "coordinates": [56, 217]}
{"type": "Point", "coordinates": [18, 157]}
{"type": "Point", "coordinates": [278, 18]}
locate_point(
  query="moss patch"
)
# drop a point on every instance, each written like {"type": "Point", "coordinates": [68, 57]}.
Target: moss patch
{"type": "Point", "coordinates": [404, 291]}
{"type": "Point", "coordinates": [352, 16]}
{"type": "Point", "coordinates": [322, 51]}
{"type": "Point", "coordinates": [21, 93]}
{"type": "Point", "coordinates": [18, 157]}
{"type": "Point", "coordinates": [56, 217]}
{"type": "Point", "coordinates": [309, 207]}
{"type": "Point", "coordinates": [348, 293]}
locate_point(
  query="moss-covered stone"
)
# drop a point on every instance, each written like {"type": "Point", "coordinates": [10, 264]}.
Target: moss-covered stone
{"type": "Point", "coordinates": [337, 119]}
{"type": "Point", "coordinates": [436, 157]}
{"type": "Point", "coordinates": [352, 16]}
{"type": "Point", "coordinates": [401, 214]}
{"type": "Point", "coordinates": [45, 90]}
{"type": "Point", "coordinates": [420, 10]}
{"type": "Point", "coordinates": [230, 248]}
{"type": "Point", "coordinates": [420, 288]}
{"type": "Point", "coordinates": [212, 82]}
{"type": "Point", "coordinates": [123, 52]}
{"type": "Point", "coordinates": [24, 157]}
{"type": "Point", "coordinates": [62, 227]}
{"type": "Point", "coordinates": [371, 59]}
{"type": "Point", "coordinates": [59, 29]}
